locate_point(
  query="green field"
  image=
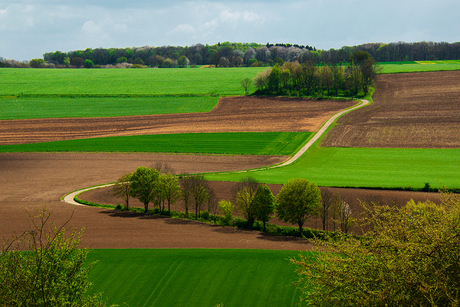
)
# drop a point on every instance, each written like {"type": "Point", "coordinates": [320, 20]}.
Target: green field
{"type": "Point", "coordinates": [195, 277]}
{"type": "Point", "coordinates": [33, 107]}
{"type": "Point", "coordinates": [124, 82]}
{"type": "Point", "coordinates": [366, 167]}
{"type": "Point", "coordinates": [418, 66]}
{"type": "Point", "coordinates": [232, 143]}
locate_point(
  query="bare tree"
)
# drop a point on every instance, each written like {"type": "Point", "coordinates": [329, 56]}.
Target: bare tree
{"type": "Point", "coordinates": [122, 188]}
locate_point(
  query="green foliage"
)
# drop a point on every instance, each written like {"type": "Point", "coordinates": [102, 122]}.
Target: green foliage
{"type": "Point", "coordinates": [88, 64]}
{"type": "Point", "coordinates": [41, 107]}
{"type": "Point", "coordinates": [264, 204]}
{"type": "Point", "coordinates": [410, 257]}
{"type": "Point", "coordinates": [226, 208]}
{"type": "Point", "coordinates": [143, 185]}
{"type": "Point", "coordinates": [297, 201]}
{"type": "Point", "coordinates": [195, 277]}
{"type": "Point", "coordinates": [36, 63]}
{"type": "Point", "coordinates": [44, 267]}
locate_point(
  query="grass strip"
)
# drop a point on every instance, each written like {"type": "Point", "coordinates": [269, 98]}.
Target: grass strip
{"type": "Point", "coordinates": [237, 143]}
{"type": "Point", "coordinates": [59, 107]}
{"type": "Point", "coordinates": [195, 277]}
{"type": "Point", "coordinates": [365, 167]}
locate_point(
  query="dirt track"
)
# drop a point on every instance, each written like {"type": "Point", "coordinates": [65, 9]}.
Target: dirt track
{"type": "Point", "coordinates": [416, 110]}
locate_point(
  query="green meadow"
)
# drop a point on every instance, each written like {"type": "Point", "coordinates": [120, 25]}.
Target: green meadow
{"type": "Point", "coordinates": [195, 277]}
{"type": "Point", "coordinates": [124, 82]}
{"type": "Point", "coordinates": [232, 143]}
{"type": "Point", "coordinates": [59, 107]}
{"type": "Point", "coordinates": [365, 167]}
{"type": "Point", "coordinates": [418, 66]}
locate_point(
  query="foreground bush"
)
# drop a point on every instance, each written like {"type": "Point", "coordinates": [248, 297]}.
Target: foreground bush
{"type": "Point", "coordinates": [411, 257]}
{"type": "Point", "coordinates": [44, 267]}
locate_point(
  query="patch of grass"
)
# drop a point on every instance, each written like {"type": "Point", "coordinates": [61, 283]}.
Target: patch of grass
{"type": "Point", "coordinates": [366, 167]}
{"type": "Point", "coordinates": [419, 66]}
{"type": "Point", "coordinates": [195, 277]}
{"type": "Point", "coordinates": [124, 82]}
{"type": "Point", "coordinates": [42, 107]}
{"type": "Point", "coordinates": [244, 143]}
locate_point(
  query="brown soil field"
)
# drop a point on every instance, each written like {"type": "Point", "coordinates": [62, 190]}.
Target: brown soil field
{"type": "Point", "coordinates": [232, 114]}
{"type": "Point", "coordinates": [412, 110]}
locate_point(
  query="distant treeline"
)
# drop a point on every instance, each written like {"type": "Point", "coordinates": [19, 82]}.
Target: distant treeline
{"type": "Point", "coordinates": [239, 54]}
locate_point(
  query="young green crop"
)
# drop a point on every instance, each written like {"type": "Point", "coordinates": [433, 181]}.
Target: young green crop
{"type": "Point", "coordinates": [233, 143]}
{"type": "Point", "coordinates": [195, 277]}
{"type": "Point", "coordinates": [43, 107]}
{"type": "Point", "coordinates": [365, 167]}
{"type": "Point", "coordinates": [124, 82]}
{"type": "Point", "coordinates": [419, 66]}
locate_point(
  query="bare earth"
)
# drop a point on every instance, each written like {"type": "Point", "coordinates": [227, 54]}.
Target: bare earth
{"type": "Point", "coordinates": [32, 180]}
{"type": "Point", "coordinates": [413, 110]}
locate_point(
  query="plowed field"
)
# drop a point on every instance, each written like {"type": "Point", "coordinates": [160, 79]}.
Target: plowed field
{"type": "Point", "coordinates": [414, 110]}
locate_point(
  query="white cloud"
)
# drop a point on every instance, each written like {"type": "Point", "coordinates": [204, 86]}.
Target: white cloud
{"type": "Point", "coordinates": [183, 29]}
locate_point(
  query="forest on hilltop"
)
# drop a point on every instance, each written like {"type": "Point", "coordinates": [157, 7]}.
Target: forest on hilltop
{"type": "Point", "coordinates": [229, 54]}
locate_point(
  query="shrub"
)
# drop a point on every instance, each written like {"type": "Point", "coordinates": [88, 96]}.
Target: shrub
{"type": "Point", "coordinates": [205, 215]}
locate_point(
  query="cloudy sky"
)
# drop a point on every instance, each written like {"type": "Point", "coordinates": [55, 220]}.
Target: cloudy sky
{"type": "Point", "coordinates": [29, 28]}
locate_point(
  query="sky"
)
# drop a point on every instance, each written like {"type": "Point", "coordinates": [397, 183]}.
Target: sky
{"type": "Point", "coordinates": [30, 28]}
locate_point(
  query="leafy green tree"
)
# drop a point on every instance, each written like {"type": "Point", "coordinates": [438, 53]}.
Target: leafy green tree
{"type": "Point", "coordinates": [246, 83]}
{"type": "Point", "coordinates": [410, 257]}
{"type": "Point", "coordinates": [298, 200]}
{"type": "Point", "coordinates": [143, 185]}
{"type": "Point", "coordinates": [171, 189]}
{"type": "Point", "coordinates": [264, 204]}
{"type": "Point", "coordinates": [183, 61]}
{"type": "Point", "coordinates": [45, 267]}
{"type": "Point", "coordinates": [243, 195]}
{"type": "Point", "coordinates": [88, 63]}
{"type": "Point", "coordinates": [274, 79]}
{"type": "Point", "coordinates": [36, 63]}
{"type": "Point", "coordinates": [77, 62]}
{"type": "Point", "coordinates": [226, 208]}
{"type": "Point", "coordinates": [122, 188]}
{"type": "Point", "coordinates": [67, 62]}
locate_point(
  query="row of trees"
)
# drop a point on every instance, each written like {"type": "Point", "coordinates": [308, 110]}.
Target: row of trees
{"type": "Point", "coordinates": [298, 200]}
{"type": "Point", "coordinates": [244, 54]}
{"type": "Point", "coordinates": [293, 78]}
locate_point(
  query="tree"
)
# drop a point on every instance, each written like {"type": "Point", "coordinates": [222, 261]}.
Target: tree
{"type": "Point", "coordinates": [77, 62]}
{"type": "Point", "coordinates": [227, 208]}
{"type": "Point", "coordinates": [199, 192]}
{"type": "Point", "coordinates": [246, 83]}
{"type": "Point", "coordinates": [171, 189]}
{"type": "Point", "coordinates": [186, 188]}
{"type": "Point", "coordinates": [122, 188]}
{"type": "Point", "coordinates": [264, 204]}
{"type": "Point", "coordinates": [36, 63]}
{"type": "Point", "coordinates": [410, 257]}
{"type": "Point", "coordinates": [297, 201]}
{"type": "Point", "coordinates": [243, 196]}
{"type": "Point", "coordinates": [183, 61]}
{"type": "Point", "coordinates": [143, 185]}
{"type": "Point", "coordinates": [53, 270]}
{"type": "Point", "coordinates": [88, 63]}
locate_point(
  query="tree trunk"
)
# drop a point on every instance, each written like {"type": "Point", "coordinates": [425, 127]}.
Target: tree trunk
{"type": "Point", "coordinates": [146, 207]}
{"type": "Point", "coordinates": [301, 229]}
